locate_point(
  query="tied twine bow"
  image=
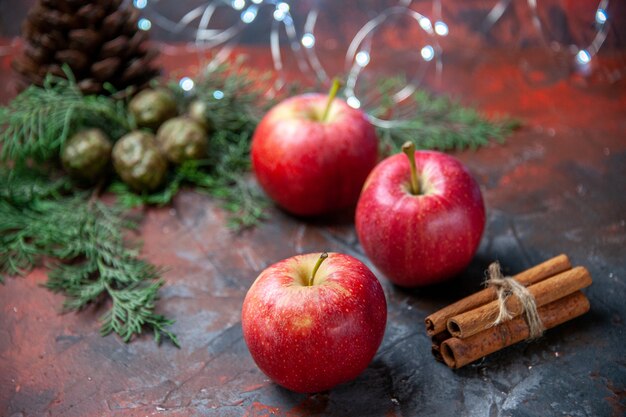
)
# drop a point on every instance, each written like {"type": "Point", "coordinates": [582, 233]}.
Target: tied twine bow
{"type": "Point", "coordinates": [507, 286]}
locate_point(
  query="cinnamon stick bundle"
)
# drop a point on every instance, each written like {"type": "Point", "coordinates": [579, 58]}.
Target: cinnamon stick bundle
{"type": "Point", "coordinates": [437, 322]}
{"type": "Point", "coordinates": [544, 292]}
{"type": "Point", "coordinates": [467, 330]}
{"type": "Point", "coordinates": [458, 352]}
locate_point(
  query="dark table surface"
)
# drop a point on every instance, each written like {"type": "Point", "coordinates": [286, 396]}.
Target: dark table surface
{"type": "Point", "coordinates": [558, 185]}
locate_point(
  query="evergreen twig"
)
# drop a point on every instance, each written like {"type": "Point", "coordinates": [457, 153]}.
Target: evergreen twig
{"type": "Point", "coordinates": [436, 122]}
{"type": "Point", "coordinates": [36, 124]}
{"type": "Point", "coordinates": [91, 260]}
{"type": "Point", "coordinates": [235, 102]}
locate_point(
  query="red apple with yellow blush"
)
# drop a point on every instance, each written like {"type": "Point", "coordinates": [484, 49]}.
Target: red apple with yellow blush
{"type": "Point", "coordinates": [314, 321]}
{"type": "Point", "coordinates": [420, 217]}
{"type": "Point", "coordinates": [311, 153]}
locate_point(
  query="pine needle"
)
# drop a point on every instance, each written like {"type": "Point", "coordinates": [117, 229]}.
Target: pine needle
{"type": "Point", "coordinates": [91, 260]}
{"type": "Point", "coordinates": [36, 124]}
{"type": "Point", "coordinates": [234, 98]}
{"type": "Point", "coordinates": [435, 122]}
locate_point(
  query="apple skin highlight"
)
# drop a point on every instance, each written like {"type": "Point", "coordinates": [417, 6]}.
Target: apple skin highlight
{"type": "Point", "coordinates": [309, 166]}
{"type": "Point", "coordinates": [312, 338]}
{"type": "Point", "coordinates": [418, 240]}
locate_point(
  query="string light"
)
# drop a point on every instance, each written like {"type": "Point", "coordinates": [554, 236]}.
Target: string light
{"type": "Point", "coordinates": [308, 40]}
{"type": "Point", "coordinates": [281, 11]}
{"type": "Point", "coordinates": [353, 102]}
{"type": "Point", "coordinates": [425, 24]}
{"type": "Point", "coordinates": [583, 57]}
{"type": "Point", "coordinates": [238, 4]}
{"type": "Point", "coordinates": [428, 53]}
{"type": "Point", "coordinates": [279, 15]}
{"type": "Point", "coordinates": [202, 23]}
{"type": "Point", "coordinates": [186, 84]}
{"type": "Point", "coordinates": [441, 28]}
{"type": "Point", "coordinates": [249, 14]}
{"type": "Point", "coordinates": [362, 58]}
{"type": "Point", "coordinates": [144, 24]}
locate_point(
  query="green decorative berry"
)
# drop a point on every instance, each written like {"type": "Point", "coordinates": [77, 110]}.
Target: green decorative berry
{"type": "Point", "coordinates": [153, 107]}
{"type": "Point", "coordinates": [138, 161]}
{"type": "Point", "coordinates": [182, 139]}
{"type": "Point", "coordinates": [199, 111]}
{"type": "Point", "coordinates": [86, 155]}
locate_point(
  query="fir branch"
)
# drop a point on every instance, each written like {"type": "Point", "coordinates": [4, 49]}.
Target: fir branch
{"type": "Point", "coordinates": [129, 198]}
{"type": "Point", "coordinates": [241, 197]}
{"type": "Point", "coordinates": [234, 94]}
{"type": "Point", "coordinates": [92, 260]}
{"type": "Point", "coordinates": [436, 122]}
{"type": "Point", "coordinates": [37, 122]}
{"type": "Point", "coordinates": [233, 115]}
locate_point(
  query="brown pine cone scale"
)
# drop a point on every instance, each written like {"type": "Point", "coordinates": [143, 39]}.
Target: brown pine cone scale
{"type": "Point", "coordinates": [84, 39]}
{"type": "Point", "coordinates": [98, 40]}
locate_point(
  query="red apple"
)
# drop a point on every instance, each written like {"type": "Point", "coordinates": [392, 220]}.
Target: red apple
{"type": "Point", "coordinates": [423, 237]}
{"type": "Point", "coordinates": [310, 160]}
{"type": "Point", "coordinates": [310, 324]}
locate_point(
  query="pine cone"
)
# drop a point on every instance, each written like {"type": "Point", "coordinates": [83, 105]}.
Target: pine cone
{"type": "Point", "coordinates": [99, 40]}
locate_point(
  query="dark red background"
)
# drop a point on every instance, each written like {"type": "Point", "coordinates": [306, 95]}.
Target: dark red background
{"type": "Point", "coordinates": [556, 186]}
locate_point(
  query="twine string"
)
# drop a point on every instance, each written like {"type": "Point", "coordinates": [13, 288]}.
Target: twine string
{"type": "Point", "coordinates": [506, 287]}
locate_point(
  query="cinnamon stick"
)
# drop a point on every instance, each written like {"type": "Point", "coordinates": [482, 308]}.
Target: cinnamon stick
{"type": "Point", "coordinates": [436, 351]}
{"type": "Point", "coordinates": [440, 337]}
{"type": "Point", "coordinates": [437, 340]}
{"type": "Point", "coordinates": [459, 352]}
{"type": "Point", "coordinates": [544, 292]}
{"type": "Point", "coordinates": [436, 322]}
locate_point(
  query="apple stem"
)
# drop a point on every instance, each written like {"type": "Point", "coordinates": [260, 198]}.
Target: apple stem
{"type": "Point", "coordinates": [409, 150]}
{"type": "Point", "coordinates": [317, 266]}
{"type": "Point", "coordinates": [331, 96]}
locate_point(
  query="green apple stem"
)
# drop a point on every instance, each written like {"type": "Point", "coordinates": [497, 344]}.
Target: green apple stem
{"type": "Point", "coordinates": [409, 150]}
{"type": "Point", "coordinates": [331, 96]}
{"type": "Point", "coordinates": [317, 266]}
